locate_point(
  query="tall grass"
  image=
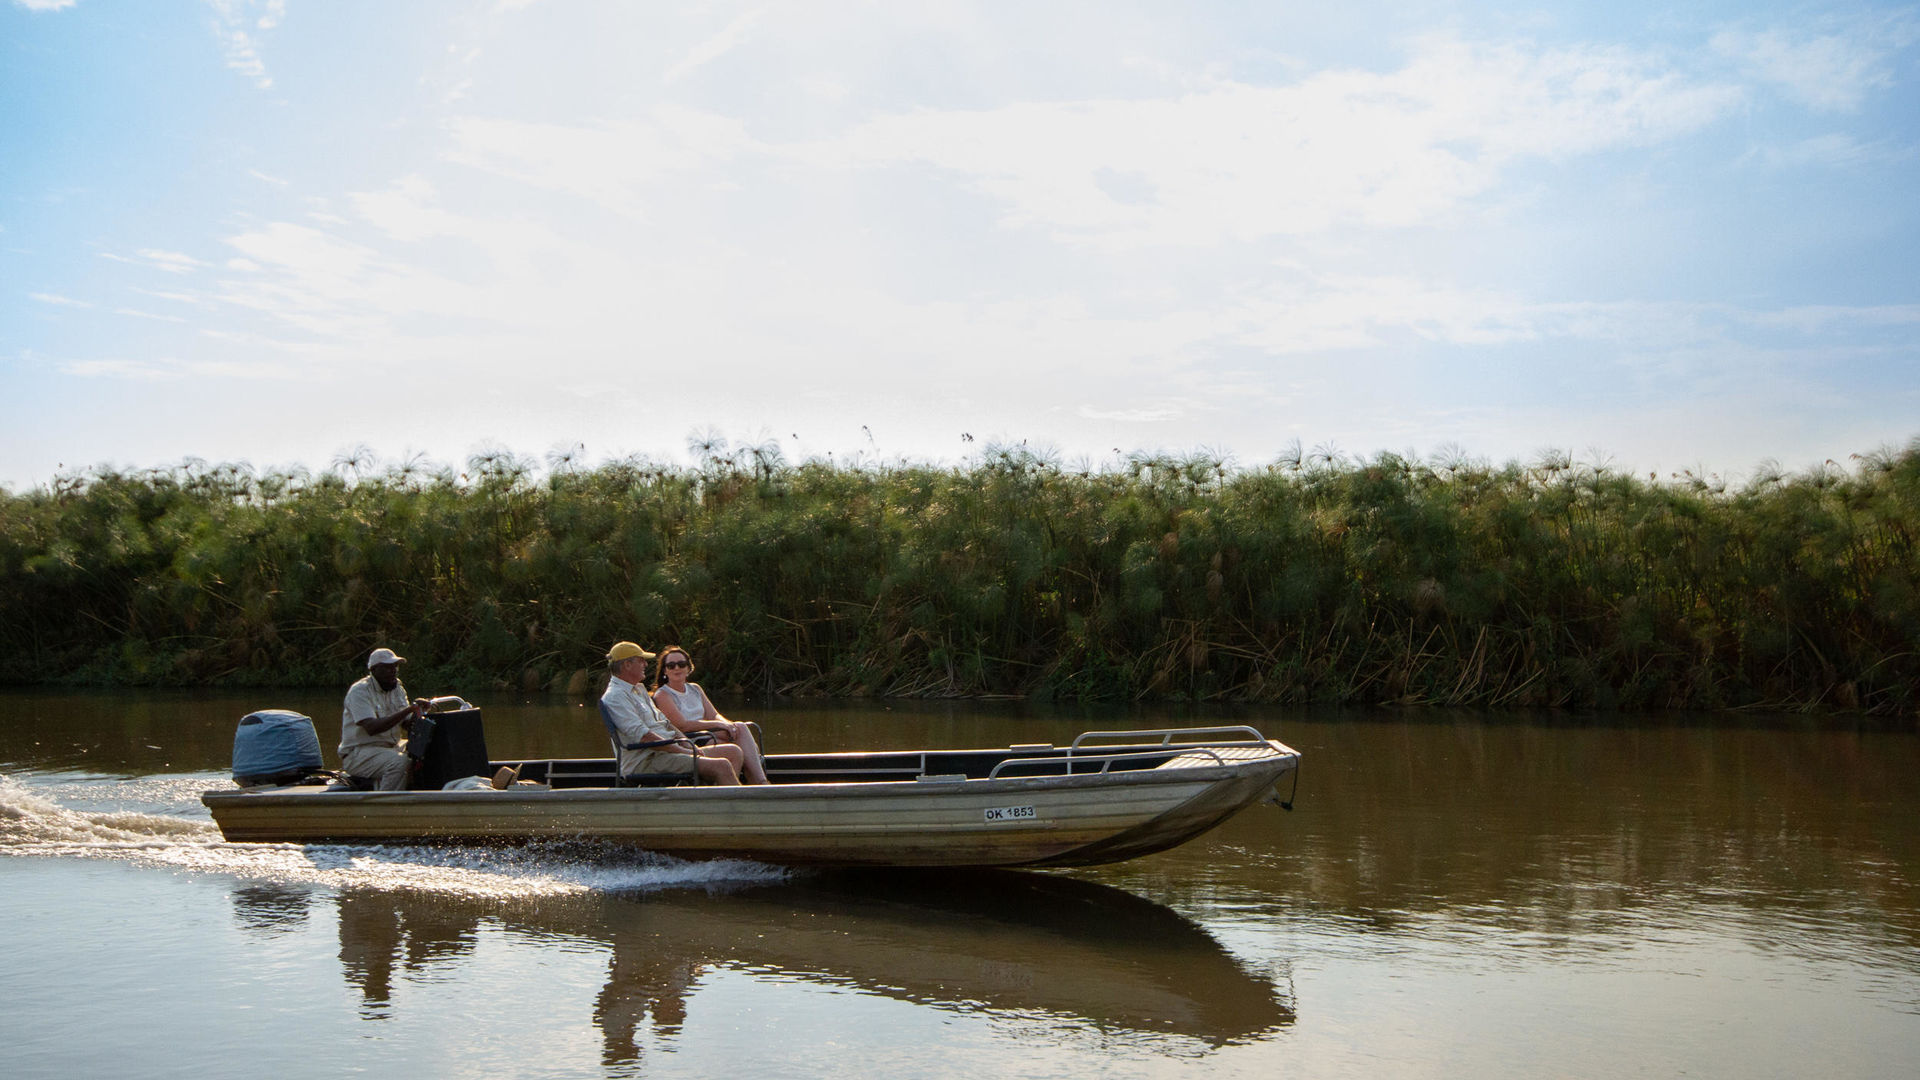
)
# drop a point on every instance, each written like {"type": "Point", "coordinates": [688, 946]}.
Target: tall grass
{"type": "Point", "coordinates": [1315, 579]}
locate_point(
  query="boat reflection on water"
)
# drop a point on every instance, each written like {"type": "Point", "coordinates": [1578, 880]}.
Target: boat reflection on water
{"type": "Point", "coordinates": [1008, 943]}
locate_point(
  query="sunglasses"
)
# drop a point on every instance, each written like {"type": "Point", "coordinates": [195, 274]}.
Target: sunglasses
{"type": "Point", "coordinates": [677, 663]}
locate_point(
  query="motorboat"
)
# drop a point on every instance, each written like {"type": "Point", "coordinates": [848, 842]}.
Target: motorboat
{"type": "Point", "coordinates": [1105, 797]}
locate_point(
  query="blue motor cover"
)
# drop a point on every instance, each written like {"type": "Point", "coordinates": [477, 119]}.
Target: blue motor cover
{"type": "Point", "coordinates": [273, 744]}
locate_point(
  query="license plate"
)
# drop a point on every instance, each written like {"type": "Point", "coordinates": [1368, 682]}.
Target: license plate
{"type": "Point", "coordinates": [1010, 813]}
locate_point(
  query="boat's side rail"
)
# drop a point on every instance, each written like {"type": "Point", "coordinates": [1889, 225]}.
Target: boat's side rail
{"type": "Point", "coordinates": [894, 764]}
{"type": "Point", "coordinates": [1180, 737]}
{"type": "Point", "coordinates": [1092, 752]}
{"type": "Point", "coordinates": [783, 769]}
{"type": "Point", "coordinates": [1076, 764]}
{"type": "Point", "coordinates": [568, 772]}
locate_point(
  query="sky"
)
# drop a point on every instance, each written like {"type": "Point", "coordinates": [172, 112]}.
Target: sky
{"type": "Point", "coordinates": [292, 232]}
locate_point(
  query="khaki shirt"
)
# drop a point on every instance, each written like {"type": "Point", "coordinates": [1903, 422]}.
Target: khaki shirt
{"type": "Point", "coordinates": [637, 719]}
{"type": "Point", "coordinates": [366, 701]}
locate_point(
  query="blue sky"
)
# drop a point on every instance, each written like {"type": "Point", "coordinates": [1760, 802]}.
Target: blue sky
{"type": "Point", "coordinates": [275, 232]}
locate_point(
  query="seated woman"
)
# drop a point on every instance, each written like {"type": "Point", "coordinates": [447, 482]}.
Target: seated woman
{"type": "Point", "coordinates": [690, 710]}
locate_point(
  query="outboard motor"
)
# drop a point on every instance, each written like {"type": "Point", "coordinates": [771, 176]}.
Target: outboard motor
{"type": "Point", "coordinates": [275, 746]}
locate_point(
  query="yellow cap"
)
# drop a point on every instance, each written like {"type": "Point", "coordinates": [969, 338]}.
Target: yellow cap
{"type": "Point", "coordinates": [627, 650]}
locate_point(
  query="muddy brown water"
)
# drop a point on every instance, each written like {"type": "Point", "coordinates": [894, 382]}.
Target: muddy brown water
{"type": "Point", "coordinates": [1456, 894]}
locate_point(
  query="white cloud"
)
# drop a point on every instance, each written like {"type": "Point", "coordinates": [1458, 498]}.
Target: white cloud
{"type": "Point", "coordinates": [826, 87]}
{"type": "Point", "coordinates": [169, 370]}
{"type": "Point", "coordinates": [608, 164]}
{"type": "Point", "coordinates": [311, 254]}
{"type": "Point", "coordinates": [406, 211]}
{"type": "Point", "coordinates": [45, 5]}
{"type": "Point", "coordinates": [1814, 319]}
{"type": "Point", "coordinates": [315, 281]}
{"type": "Point", "coordinates": [1340, 148]}
{"type": "Point", "coordinates": [255, 342]}
{"type": "Point", "coordinates": [1154, 415]}
{"type": "Point", "coordinates": [590, 300]}
{"type": "Point", "coordinates": [1830, 72]}
{"type": "Point", "coordinates": [58, 300]}
{"type": "Point", "coordinates": [148, 315]}
{"type": "Point", "coordinates": [173, 262]}
{"type": "Point", "coordinates": [716, 46]}
{"type": "Point", "coordinates": [1227, 162]}
{"type": "Point", "coordinates": [136, 370]}
{"type": "Point", "coordinates": [177, 297]}
{"type": "Point", "coordinates": [1317, 315]}
{"type": "Point", "coordinates": [255, 370]}
{"type": "Point", "coordinates": [234, 24]}
{"type": "Point", "coordinates": [350, 287]}
{"type": "Point", "coordinates": [1835, 150]}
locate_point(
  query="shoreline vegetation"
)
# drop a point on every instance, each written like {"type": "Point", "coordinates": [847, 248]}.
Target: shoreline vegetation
{"type": "Point", "coordinates": [1312, 579]}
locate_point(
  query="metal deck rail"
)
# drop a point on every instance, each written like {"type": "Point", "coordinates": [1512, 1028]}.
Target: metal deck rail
{"type": "Point", "coordinates": [1193, 742]}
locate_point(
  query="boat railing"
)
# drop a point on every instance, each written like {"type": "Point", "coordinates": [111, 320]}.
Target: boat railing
{"type": "Point", "coordinates": [1078, 764]}
{"type": "Point", "coordinates": [1192, 736]}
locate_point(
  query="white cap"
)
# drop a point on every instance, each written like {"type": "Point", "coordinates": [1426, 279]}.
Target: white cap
{"type": "Point", "coordinates": [384, 656]}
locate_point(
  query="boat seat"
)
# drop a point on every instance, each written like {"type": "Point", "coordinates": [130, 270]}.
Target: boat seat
{"type": "Point", "coordinates": [648, 779]}
{"type": "Point", "coordinates": [656, 779]}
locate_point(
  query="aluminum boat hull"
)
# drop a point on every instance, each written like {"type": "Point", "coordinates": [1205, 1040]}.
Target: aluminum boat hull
{"type": "Point", "coordinates": [925, 821]}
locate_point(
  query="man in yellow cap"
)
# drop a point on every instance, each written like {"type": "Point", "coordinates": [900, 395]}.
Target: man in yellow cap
{"type": "Point", "coordinates": [646, 742]}
{"type": "Point", "coordinates": [377, 711]}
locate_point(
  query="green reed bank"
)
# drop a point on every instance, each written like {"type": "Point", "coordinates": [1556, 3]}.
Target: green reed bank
{"type": "Point", "coordinates": [1314, 579]}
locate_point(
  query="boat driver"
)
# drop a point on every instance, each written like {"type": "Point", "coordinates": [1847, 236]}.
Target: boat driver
{"type": "Point", "coordinates": [646, 741]}
{"type": "Point", "coordinates": [374, 721]}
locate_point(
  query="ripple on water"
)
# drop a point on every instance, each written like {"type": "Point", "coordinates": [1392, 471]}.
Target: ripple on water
{"type": "Point", "coordinates": [143, 822]}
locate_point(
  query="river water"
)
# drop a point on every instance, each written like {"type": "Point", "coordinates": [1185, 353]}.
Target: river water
{"type": "Point", "coordinates": [1455, 894]}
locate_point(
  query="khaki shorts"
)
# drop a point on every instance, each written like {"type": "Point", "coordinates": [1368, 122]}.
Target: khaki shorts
{"type": "Point", "coordinates": [665, 761]}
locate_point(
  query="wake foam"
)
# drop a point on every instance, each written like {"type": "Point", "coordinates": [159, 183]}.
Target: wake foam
{"type": "Point", "coordinates": [33, 823]}
{"type": "Point", "coordinates": [39, 822]}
